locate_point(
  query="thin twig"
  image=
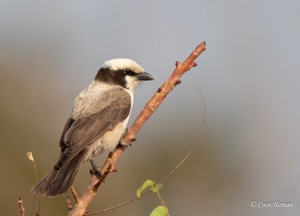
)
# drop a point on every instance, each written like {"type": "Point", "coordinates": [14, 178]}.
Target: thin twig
{"type": "Point", "coordinates": [31, 158]}
{"type": "Point", "coordinates": [195, 143]}
{"type": "Point", "coordinates": [76, 197]}
{"type": "Point", "coordinates": [35, 198]}
{"type": "Point", "coordinates": [116, 206]}
{"type": "Point", "coordinates": [21, 207]}
{"type": "Point", "coordinates": [161, 199]}
{"type": "Point", "coordinates": [69, 203]}
{"type": "Point", "coordinates": [80, 208]}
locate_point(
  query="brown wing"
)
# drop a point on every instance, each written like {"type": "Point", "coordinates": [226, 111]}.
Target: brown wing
{"type": "Point", "coordinates": [80, 133]}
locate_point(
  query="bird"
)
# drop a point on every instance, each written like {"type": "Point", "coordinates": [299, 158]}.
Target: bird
{"type": "Point", "coordinates": [97, 122]}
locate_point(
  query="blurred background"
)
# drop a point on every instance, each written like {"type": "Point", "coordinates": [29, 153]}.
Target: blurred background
{"type": "Point", "coordinates": [249, 75]}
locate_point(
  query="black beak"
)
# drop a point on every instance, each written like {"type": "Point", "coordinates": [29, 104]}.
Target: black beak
{"type": "Point", "coordinates": [144, 76]}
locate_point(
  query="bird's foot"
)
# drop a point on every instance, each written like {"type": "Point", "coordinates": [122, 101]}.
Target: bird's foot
{"type": "Point", "coordinates": [95, 170]}
{"type": "Point", "coordinates": [122, 145]}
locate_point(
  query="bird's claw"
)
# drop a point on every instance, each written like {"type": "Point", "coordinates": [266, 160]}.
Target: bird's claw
{"type": "Point", "coordinates": [95, 170]}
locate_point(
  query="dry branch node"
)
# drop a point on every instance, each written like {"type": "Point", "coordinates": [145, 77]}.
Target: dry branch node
{"type": "Point", "coordinates": [177, 82]}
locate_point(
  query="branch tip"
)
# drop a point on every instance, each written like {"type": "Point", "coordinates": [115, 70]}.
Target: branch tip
{"type": "Point", "coordinates": [21, 207]}
{"type": "Point", "coordinates": [69, 203]}
{"type": "Point", "coordinates": [200, 48]}
{"type": "Point", "coordinates": [177, 63]}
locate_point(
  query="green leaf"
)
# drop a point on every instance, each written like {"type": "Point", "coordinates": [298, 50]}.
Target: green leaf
{"type": "Point", "coordinates": [148, 183]}
{"type": "Point", "coordinates": [160, 211]}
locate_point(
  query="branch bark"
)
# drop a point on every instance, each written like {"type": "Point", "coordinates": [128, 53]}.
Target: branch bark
{"type": "Point", "coordinates": [109, 166]}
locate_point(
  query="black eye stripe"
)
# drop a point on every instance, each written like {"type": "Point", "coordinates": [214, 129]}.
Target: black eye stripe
{"type": "Point", "coordinates": [129, 72]}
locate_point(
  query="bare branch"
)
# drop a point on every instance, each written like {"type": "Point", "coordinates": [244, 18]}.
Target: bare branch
{"type": "Point", "coordinates": [80, 208]}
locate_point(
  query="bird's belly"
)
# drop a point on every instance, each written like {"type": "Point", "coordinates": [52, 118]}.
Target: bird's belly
{"type": "Point", "coordinates": [107, 142]}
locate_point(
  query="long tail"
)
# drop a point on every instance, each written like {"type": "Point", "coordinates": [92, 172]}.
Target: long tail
{"type": "Point", "coordinates": [58, 181]}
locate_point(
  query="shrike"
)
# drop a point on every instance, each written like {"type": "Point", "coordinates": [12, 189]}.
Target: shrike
{"type": "Point", "coordinates": [97, 122]}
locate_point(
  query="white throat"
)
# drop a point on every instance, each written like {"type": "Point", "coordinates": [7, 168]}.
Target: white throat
{"type": "Point", "coordinates": [132, 83]}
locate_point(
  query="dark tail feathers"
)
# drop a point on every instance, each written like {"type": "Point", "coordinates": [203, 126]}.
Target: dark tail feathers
{"type": "Point", "coordinates": [58, 181]}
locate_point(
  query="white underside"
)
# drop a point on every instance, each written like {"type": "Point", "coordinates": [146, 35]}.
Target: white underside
{"type": "Point", "coordinates": [108, 141]}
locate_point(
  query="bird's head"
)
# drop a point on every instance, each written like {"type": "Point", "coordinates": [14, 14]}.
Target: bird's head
{"type": "Point", "coordinates": [124, 72]}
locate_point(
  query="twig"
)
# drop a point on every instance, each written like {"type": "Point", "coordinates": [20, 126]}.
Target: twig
{"type": "Point", "coordinates": [195, 143]}
{"type": "Point", "coordinates": [35, 198]}
{"type": "Point", "coordinates": [31, 158]}
{"type": "Point", "coordinates": [69, 203]}
{"type": "Point", "coordinates": [21, 207]}
{"type": "Point", "coordinates": [76, 197]}
{"type": "Point", "coordinates": [116, 206]}
{"type": "Point", "coordinates": [80, 208]}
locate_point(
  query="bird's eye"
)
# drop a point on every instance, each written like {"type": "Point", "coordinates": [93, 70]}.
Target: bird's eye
{"type": "Point", "coordinates": [129, 72]}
